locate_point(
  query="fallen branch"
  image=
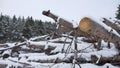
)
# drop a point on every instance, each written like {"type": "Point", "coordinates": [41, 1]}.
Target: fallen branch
{"type": "Point", "coordinates": [3, 45]}
{"type": "Point", "coordinates": [18, 45]}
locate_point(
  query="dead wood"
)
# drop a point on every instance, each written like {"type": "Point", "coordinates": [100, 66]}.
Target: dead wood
{"type": "Point", "coordinates": [112, 25]}
{"type": "Point", "coordinates": [89, 40]}
{"type": "Point", "coordinates": [65, 23]}
{"type": "Point", "coordinates": [3, 65]}
{"type": "Point", "coordinates": [65, 26]}
{"type": "Point", "coordinates": [99, 32]}
{"type": "Point", "coordinates": [16, 46]}
{"type": "Point", "coordinates": [3, 45]}
{"type": "Point", "coordinates": [49, 14]}
{"type": "Point", "coordinates": [115, 60]}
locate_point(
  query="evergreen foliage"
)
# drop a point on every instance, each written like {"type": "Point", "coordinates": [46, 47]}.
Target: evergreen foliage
{"type": "Point", "coordinates": [12, 29]}
{"type": "Point", "coordinates": [118, 13]}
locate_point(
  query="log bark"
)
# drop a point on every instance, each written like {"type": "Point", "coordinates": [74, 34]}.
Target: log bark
{"type": "Point", "coordinates": [14, 47]}
{"type": "Point", "coordinates": [96, 30]}
{"type": "Point", "coordinates": [65, 23]}
{"type": "Point", "coordinates": [88, 28]}
{"type": "Point", "coordinates": [66, 26]}
{"type": "Point", "coordinates": [112, 25]}
{"type": "Point", "coordinates": [3, 45]}
{"type": "Point", "coordinates": [81, 33]}
{"type": "Point", "coordinates": [51, 15]}
{"type": "Point", "coordinates": [94, 59]}
{"type": "Point", "coordinates": [3, 65]}
{"type": "Point", "coordinates": [60, 21]}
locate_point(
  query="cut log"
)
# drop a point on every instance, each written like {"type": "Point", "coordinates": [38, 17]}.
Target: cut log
{"type": "Point", "coordinates": [3, 45]}
{"type": "Point", "coordinates": [3, 65]}
{"type": "Point", "coordinates": [81, 33]}
{"type": "Point", "coordinates": [18, 45]}
{"type": "Point", "coordinates": [59, 20]}
{"type": "Point", "coordinates": [63, 29]}
{"type": "Point", "coordinates": [69, 58]}
{"type": "Point", "coordinates": [89, 40]}
{"type": "Point", "coordinates": [66, 25]}
{"type": "Point", "coordinates": [51, 15]}
{"type": "Point", "coordinates": [112, 25]}
{"type": "Point", "coordinates": [96, 30]}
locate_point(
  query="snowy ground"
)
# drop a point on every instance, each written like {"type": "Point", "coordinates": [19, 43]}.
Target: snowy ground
{"type": "Point", "coordinates": [31, 60]}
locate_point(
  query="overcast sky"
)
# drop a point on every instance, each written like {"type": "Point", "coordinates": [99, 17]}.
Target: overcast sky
{"type": "Point", "coordinates": [69, 9]}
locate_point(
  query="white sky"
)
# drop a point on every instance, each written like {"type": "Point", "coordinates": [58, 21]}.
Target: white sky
{"type": "Point", "coordinates": [69, 9]}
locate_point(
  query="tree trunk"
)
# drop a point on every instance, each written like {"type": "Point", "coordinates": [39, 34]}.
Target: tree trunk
{"type": "Point", "coordinates": [96, 30]}
{"type": "Point", "coordinates": [66, 26]}
{"type": "Point", "coordinates": [65, 23]}
{"type": "Point", "coordinates": [112, 25]}
{"type": "Point", "coordinates": [94, 59]}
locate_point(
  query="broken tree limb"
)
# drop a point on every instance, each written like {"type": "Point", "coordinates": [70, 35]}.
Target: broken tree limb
{"type": "Point", "coordinates": [49, 14]}
{"type": "Point", "coordinates": [112, 25]}
{"type": "Point", "coordinates": [18, 45]}
{"type": "Point", "coordinates": [60, 21]}
{"type": "Point", "coordinates": [96, 30]}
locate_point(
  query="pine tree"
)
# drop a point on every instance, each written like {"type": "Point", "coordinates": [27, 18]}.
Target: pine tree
{"type": "Point", "coordinates": [28, 28]}
{"type": "Point", "coordinates": [14, 19]}
{"type": "Point", "coordinates": [118, 13]}
{"type": "Point", "coordinates": [11, 29]}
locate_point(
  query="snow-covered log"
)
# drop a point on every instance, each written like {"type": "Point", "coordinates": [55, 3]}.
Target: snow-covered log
{"type": "Point", "coordinates": [112, 25]}
{"type": "Point", "coordinates": [3, 65]}
{"type": "Point", "coordinates": [14, 46]}
{"type": "Point", "coordinates": [60, 21]}
{"type": "Point", "coordinates": [96, 30]}
{"type": "Point", "coordinates": [66, 26]}
{"type": "Point", "coordinates": [3, 45]}
{"type": "Point", "coordinates": [68, 58]}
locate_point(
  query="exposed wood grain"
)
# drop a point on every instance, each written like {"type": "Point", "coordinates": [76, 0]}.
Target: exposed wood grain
{"type": "Point", "coordinates": [96, 30]}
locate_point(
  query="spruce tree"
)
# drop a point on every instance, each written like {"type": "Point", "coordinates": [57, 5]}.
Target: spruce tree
{"type": "Point", "coordinates": [28, 28]}
{"type": "Point", "coordinates": [118, 13]}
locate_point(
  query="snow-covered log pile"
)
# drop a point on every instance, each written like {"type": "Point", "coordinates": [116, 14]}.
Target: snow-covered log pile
{"type": "Point", "coordinates": [88, 27]}
{"type": "Point", "coordinates": [46, 53]}
{"type": "Point", "coordinates": [88, 45]}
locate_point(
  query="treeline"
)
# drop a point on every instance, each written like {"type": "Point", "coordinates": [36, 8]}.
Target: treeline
{"type": "Point", "coordinates": [13, 29]}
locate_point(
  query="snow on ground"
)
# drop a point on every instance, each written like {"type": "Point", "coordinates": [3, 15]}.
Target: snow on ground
{"type": "Point", "coordinates": [58, 65]}
{"type": "Point", "coordinates": [6, 61]}
{"type": "Point", "coordinates": [68, 65]}
{"type": "Point", "coordinates": [85, 51]}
